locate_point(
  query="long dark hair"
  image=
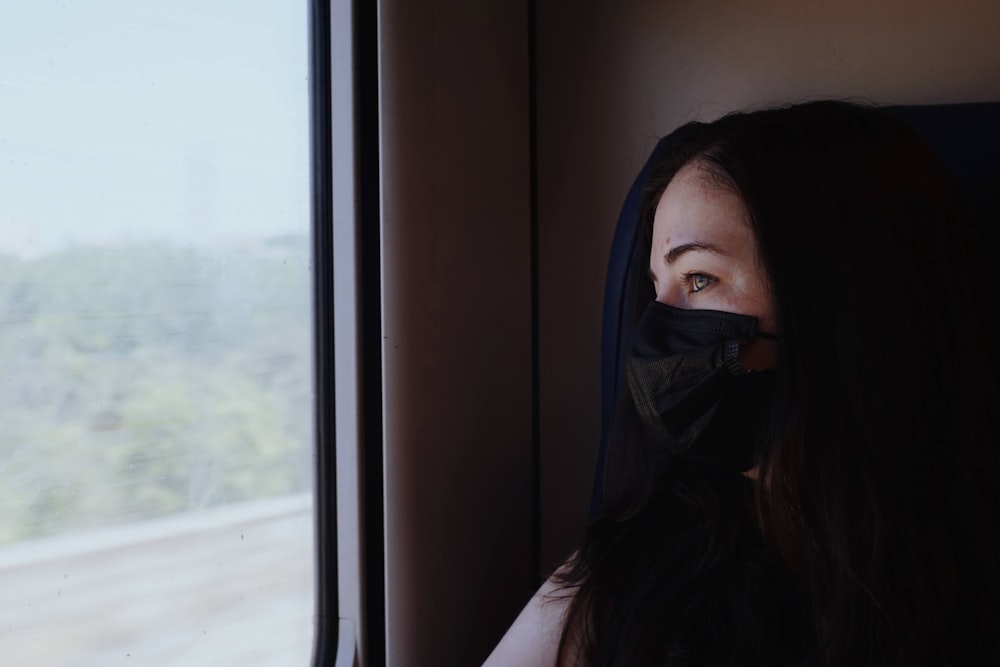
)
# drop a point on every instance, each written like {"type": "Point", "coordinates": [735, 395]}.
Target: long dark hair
{"type": "Point", "coordinates": [869, 537]}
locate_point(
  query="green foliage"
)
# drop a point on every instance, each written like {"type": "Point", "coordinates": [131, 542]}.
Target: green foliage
{"type": "Point", "coordinates": [144, 380]}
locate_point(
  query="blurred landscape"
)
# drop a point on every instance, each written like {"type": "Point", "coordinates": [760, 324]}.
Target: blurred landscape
{"type": "Point", "coordinates": [156, 455]}
{"type": "Point", "coordinates": [156, 355]}
{"type": "Point", "coordinates": [226, 586]}
{"type": "Point", "coordinates": [141, 380]}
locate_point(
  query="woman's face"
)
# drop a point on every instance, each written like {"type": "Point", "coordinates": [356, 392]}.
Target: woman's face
{"type": "Point", "coordinates": [704, 256]}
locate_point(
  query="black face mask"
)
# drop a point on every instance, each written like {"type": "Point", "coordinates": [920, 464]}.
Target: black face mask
{"type": "Point", "coordinates": [689, 386]}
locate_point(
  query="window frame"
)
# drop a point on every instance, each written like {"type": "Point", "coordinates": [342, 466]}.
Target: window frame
{"type": "Point", "coordinates": [344, 107]}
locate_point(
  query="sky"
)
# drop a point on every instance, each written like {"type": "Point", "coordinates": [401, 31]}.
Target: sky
{"type": "Point", "coordinates": [132, 121]}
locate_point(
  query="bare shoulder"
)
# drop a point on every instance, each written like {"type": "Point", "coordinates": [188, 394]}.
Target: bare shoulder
{"type": "Point", "coordinates": [533, 638]}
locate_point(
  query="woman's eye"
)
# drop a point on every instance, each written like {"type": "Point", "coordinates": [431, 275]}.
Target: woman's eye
{"type": "Point", "coordinates": [698, 281]}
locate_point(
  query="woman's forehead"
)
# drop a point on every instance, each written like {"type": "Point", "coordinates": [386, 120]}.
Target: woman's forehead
{"type": "Point", "coordinates": [695, 209]}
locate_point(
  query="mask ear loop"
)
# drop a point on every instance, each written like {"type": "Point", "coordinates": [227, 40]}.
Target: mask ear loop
{"type": "Point", "coordinates": [765, 335]}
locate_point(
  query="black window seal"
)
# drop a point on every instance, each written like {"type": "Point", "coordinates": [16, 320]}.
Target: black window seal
{"type": "Point", "coordinates": [325, 494]}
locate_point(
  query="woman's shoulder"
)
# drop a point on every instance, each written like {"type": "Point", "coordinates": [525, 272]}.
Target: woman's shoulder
{"type": "Point", "coordinates": [534, 637]}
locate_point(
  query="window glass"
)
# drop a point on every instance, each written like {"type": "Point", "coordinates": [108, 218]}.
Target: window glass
{"type": "Point", "coordinates": [155, 334]}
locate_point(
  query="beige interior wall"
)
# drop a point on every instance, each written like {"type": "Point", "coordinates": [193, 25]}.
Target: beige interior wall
{"type": "Point", "coordinates": [457, 325]}
{"type": "Point", "coordinates": [613, 77]}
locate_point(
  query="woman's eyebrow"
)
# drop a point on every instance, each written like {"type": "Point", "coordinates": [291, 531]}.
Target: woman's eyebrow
{"type": "Point", "coordinates": [677, 251]}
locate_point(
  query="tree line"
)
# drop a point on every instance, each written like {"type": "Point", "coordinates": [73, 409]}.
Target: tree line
{"type": "Point", "coordinates": [141, 380]}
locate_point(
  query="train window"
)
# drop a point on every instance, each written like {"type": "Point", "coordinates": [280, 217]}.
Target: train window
{"type": "Point", "coordinates": [156, 334]}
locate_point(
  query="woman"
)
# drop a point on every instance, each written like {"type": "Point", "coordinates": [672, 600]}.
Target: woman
{"type": "Point", "coordinates": [815, 322]}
